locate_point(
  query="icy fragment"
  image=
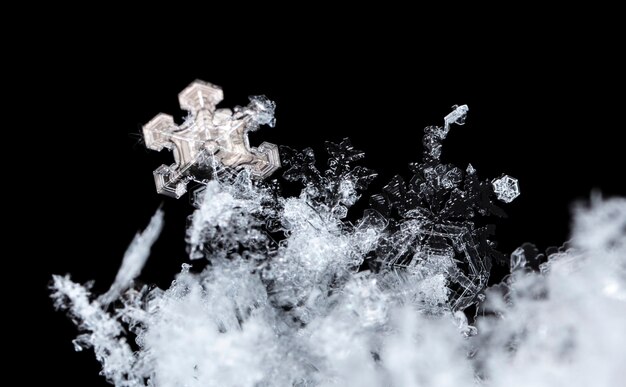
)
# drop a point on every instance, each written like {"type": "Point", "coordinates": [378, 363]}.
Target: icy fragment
{"type": "Point", "coordinates": [452, 178]}
{"type": "Point", "coordinates": [457, 116]}
{"type": "Point", "coordinates": [261, 110]}
{"type": "Point", "coordinates": [518, 259]}
{"type": "Point", "coordinates": [506, 188]}
{"type": "Point", "coordinates": [340, 211]}
{"type": "Point", "coordinates": [210, 139]}
{"type": "Point", "coordinates": [135, 258]}
{"type": "Point", "coordinates": [433, 135]}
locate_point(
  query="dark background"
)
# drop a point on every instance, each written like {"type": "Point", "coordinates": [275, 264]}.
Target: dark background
{"type": "Point", "coordinates": [548, 111]}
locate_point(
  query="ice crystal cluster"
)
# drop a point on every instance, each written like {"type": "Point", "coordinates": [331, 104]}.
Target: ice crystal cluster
{"type": "Point", "coordinates": [294, 294]}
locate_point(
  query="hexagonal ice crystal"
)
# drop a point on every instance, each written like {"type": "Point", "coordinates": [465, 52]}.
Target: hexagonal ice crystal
{"type": "Point", "coordinates": [506, 188]}
{"type": "Point", "coordinates": [209, 135]}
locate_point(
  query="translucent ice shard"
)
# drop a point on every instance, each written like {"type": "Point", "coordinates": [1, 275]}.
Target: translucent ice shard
{"type": "Point", "coordinates": [435, 134]}
{"type": "Point", "coordinates": [506, 188]}
{"type": "Point", "coordinates": [518, 259]}
{"type": "Point", "coordinates": [457, 116]}
{"type": "Point", "coordinates": [135, 258]}
{"type": "Point", "coordinates": [210, 139]}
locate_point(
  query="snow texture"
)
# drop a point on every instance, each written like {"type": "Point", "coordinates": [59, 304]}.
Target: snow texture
{"type": "Point", "coordinates": [296, 295]}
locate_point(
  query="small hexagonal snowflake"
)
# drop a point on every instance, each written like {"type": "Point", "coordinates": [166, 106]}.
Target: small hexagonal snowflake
{"type": "Point", "coordinates": [506, 188]}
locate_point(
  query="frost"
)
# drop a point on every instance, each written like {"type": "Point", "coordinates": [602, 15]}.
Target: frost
{"type": "Point", "coordinates": [300, 291]}
{"type": "Point", "coordinates": [102, 331]}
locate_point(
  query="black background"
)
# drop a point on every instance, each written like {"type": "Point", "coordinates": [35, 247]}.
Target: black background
{"type": "Point", "coordinates": [547, 110]}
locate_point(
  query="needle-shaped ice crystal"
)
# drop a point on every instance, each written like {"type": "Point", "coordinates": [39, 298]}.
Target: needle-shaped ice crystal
{"type": "Point", "coordinates": [506, 188]}
{"type": "Point", "coordinates": [210, 138]}
{"type": "Point", "coordinates": [433, 135]}
{"type": "Point", "coordinates": [457, 116]}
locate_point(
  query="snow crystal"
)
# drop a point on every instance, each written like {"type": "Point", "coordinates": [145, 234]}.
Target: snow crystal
{"type": "Point", "coordinates": [506, 188]}
{"type": "Point", "coordinates": [297, 295]}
